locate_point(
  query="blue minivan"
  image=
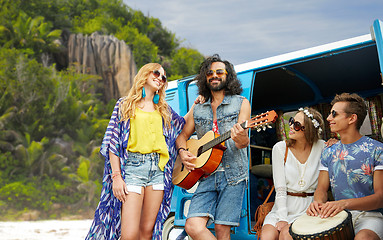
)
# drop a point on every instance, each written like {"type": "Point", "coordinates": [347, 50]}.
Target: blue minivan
{"type": "Point", "coordinates": [309, 77]}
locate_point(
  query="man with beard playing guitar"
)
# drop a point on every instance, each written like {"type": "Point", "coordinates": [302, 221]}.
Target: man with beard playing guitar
{"type": "Point", "coordinates": [218, 197]}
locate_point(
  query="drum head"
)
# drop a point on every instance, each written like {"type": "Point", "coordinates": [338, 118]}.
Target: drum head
{"type": "Point", "coordinates": [308, 225]}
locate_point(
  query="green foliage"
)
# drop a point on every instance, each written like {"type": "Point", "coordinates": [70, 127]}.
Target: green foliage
{"type": "Point", "coordinates": [162, 37]}
{"type": "Point", "coordinates": [37, 194]}
{"type": "Point", "coordinates": [89, 22]}
{"type": "Point", "coordinates": [52, 122]}
{"type": "Point", "coordinates": [149, 40]}
{"type": "Point", "coordinates": [8, 166]}
{"type": "Point", "coordinates": [33, 35]}
{"type": "Point", "coordinates": [54, 11]}
{"type": "Point", "coordinates": [82, 170]}
{"type": "Point", "coordinates": [186, 61]}
{"type": "Point", "coordinates": [144, 50]}
{"type": "Point", "coordinates": [19, 195]}
{"type": "Point", "coordinates": [57, 122]}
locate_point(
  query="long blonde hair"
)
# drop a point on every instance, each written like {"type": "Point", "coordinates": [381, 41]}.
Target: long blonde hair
{"type": "Point", "coordinates": [129, 104]}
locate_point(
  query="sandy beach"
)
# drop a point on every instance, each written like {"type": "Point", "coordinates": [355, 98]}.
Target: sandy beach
{"type": "Point", "coordinates": [45, 230]}
{"type": "Point", "coordinates": [51, 229]}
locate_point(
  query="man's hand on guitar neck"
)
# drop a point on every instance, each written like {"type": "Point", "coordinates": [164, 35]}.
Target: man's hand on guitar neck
{"type": "Point", "coordinates": [240, 136]}
{"type": "Point", "coordinates": [186, 158]}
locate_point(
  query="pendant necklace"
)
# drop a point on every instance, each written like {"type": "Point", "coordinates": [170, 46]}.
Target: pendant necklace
{"type": "Point", "coordinates": [301, 182]}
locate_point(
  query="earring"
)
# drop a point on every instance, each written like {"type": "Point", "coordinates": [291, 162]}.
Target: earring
{"type": "Point", "coordinates": [156, 98]}
{"type": "Point", "coordinates": [143, 93]}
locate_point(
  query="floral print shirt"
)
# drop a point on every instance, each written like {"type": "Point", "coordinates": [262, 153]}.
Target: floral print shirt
{"type": "Point", "coordinates": [351, 167]}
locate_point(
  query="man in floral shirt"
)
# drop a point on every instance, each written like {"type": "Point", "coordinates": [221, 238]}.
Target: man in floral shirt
{"type": "Point", "coordinates": [354, 168]}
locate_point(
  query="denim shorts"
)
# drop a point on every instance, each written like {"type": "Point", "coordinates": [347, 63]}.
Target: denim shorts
{"type": "Point", "coordinates": [142, 170]}
{"type": "Point", "coordinates": [215, 199]}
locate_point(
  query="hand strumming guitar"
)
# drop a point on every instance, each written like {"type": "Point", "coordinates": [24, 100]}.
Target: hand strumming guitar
{"type": "Point", "coordinates": [186, 158]}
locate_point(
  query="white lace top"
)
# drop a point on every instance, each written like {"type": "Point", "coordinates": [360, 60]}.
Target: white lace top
{"type": "Point", "coordinates": [286, 179]}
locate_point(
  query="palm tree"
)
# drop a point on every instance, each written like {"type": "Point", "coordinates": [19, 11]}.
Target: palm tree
{"type": "Point", "coordinates": [32, 34]}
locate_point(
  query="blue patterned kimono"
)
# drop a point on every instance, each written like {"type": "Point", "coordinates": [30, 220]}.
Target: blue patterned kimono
{"type": "Point", "coordinates": [107, 220]}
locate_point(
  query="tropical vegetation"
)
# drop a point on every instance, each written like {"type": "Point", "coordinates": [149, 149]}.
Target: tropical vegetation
{"type": "Point", "coordinates": [52, 120]}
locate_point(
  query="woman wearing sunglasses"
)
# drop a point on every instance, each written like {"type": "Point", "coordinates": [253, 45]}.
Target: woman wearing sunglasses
{"type": "Point", "coordinates": [139, 152]}
{"type": "Point", "coordinates": [296, 179]}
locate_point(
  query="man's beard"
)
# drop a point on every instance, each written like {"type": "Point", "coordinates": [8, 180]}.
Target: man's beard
{"type": "Point", "coordinates": [217, 87]}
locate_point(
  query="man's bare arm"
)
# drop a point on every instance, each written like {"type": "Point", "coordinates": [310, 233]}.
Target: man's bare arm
{"type": "Point", "coordinates": [181, 140]}
{"type": "Point", "coordinates": [239, 135]}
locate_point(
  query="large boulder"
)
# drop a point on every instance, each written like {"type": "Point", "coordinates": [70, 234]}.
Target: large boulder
{"type": "Point", "coordinates": [102, 55]}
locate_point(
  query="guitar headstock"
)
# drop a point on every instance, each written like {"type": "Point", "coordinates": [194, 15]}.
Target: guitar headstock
{"type": "Point", "coordinates": [262, 121]}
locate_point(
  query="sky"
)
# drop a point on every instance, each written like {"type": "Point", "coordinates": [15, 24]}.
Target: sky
{"type": "Point", "coordinates": [242, 31]}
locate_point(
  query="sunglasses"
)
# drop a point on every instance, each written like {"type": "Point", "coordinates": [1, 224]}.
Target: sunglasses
{"type": "Point", "coordinates": [157, 74]}
{"type": "Point", "coordinates": [220, 72]}
{"type": "Point", "coordinates": [296, 125]}
{"type": "Point", "coordinates": [334, 113]}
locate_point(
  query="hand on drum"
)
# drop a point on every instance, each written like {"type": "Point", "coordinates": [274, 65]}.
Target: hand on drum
{"type": "Point", "coordinates": [332, 208]}
{"type": "Point", "coordinates": [314, 209]}
{"type": "Point", "coordinates": [325, 210]}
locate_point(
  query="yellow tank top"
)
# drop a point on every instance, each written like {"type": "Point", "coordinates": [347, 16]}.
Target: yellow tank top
{"type": "Point", "coordinates": [146, 135]}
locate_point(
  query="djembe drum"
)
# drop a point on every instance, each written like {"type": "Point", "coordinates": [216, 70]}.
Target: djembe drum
{"type": "Point", "coordinates": [315, 228]}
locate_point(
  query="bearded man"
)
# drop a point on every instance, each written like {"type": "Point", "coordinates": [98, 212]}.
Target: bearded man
{"type": "Point", "coordinates": [218, 197]}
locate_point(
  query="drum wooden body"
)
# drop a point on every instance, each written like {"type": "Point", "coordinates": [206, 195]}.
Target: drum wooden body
{"type": "Point", "coordinates": [315, 228]}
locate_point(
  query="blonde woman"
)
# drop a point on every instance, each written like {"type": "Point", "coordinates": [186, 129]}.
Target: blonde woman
{"type": "Point", "coordinates": [139, 152]}
{"type": "Point", "coordinates": [296, 180]}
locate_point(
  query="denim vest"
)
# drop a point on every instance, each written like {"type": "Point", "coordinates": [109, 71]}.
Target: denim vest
{"type": "Point", "coordinates": [234, 160]}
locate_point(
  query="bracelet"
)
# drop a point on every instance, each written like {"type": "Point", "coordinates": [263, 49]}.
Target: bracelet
{"type": "Point", "coordinates": [181, 148]}
{"type": "Point", "coordinates": [115, 175]}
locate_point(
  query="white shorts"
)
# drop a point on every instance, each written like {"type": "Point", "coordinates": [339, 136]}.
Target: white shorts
{"type": "Point", "coordinates": [368, 220]}
{"type": "Point", "coordinates": [138, 189]}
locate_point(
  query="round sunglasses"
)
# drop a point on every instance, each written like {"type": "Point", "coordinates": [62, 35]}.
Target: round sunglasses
{"type": "Point", "coordinates": [296, 125]}
{"type": "Point", "coordinates": [157, 74]}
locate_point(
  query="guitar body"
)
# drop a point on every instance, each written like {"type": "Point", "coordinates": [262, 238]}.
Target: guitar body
{"type": "Point", "coordinates": [209, 151]}
{"type": "Point", "coordinates": [205, 164]}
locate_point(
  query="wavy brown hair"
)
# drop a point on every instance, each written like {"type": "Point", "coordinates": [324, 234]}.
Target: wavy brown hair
{"type": "Point", "coordinates": [312, 134]}
{"type": "Point", "coordinates": [129, 104]}
{"type": "Point", "coordinates": [233, 85]}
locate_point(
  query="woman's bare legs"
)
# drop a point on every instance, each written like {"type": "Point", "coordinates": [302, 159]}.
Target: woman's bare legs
{"type": "Point", "coordinates": [130, 215]}
{"type": "Point", "coordinates": [152, 203]}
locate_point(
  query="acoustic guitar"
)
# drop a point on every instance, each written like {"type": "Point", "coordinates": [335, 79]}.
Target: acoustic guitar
{"type": "Point", "coordinates": [209, 151]}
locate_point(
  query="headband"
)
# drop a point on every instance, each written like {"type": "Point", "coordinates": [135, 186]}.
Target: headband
{"type": "Point", "coordinates": [313, 120]}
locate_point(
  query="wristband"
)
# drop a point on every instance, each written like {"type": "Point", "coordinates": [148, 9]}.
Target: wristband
{"type": "Point", "coordinates": [115, 175]}
{"type": "Point", "coordinates": [181, 148]}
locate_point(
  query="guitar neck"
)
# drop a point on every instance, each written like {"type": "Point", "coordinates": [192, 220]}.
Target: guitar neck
{"type": "Point", "coordinates": [218, 140]}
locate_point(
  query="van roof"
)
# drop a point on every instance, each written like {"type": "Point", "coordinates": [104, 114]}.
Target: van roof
{"type": "Point", "coordinates": [315, 75]}
{"type": "Point", "coordinates": [301, 54]}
